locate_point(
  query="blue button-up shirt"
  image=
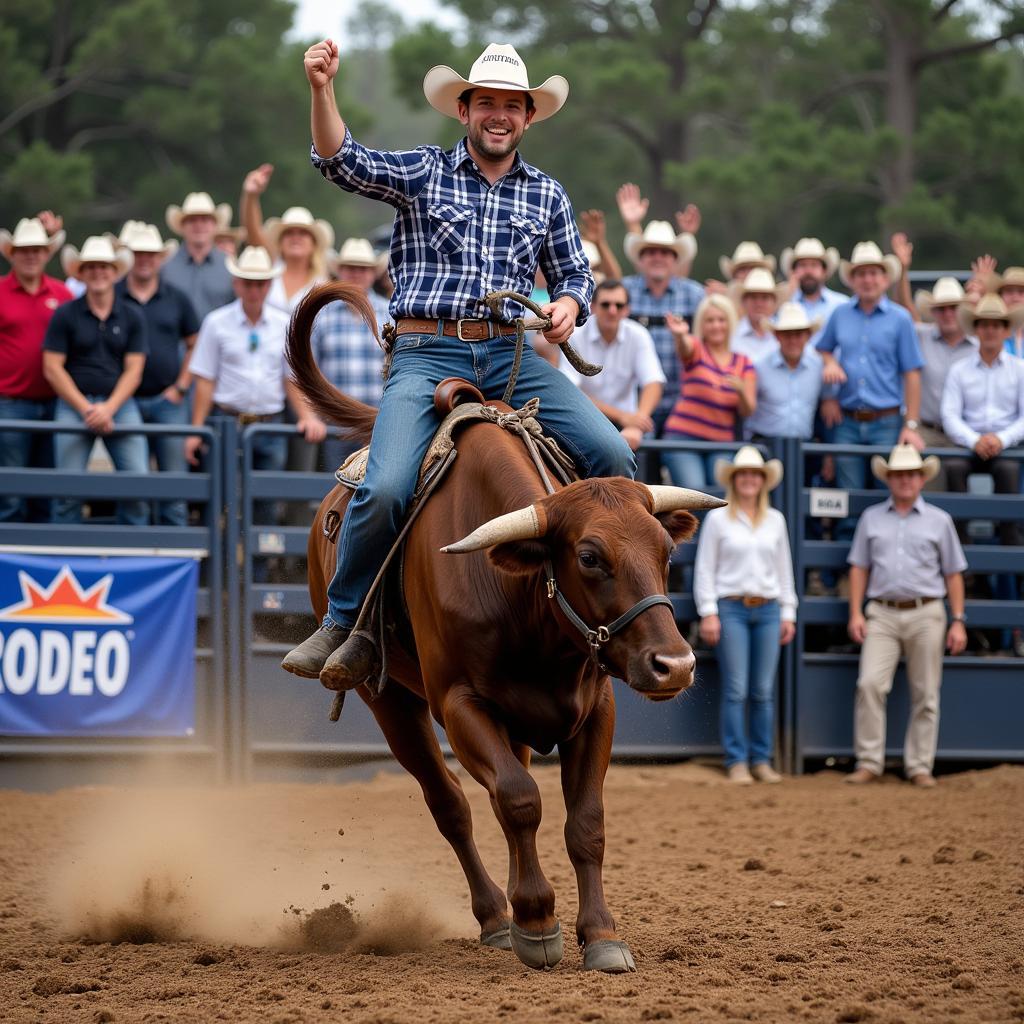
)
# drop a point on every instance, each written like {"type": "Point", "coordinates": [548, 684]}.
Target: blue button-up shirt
{"type": "Point", "coordinates": [457, 236]}
{"type": "Point", "coordinates": [787, 398]}
{"type": "Point", "coordinates": [876, 350]}
{"type": "Point", "coordinates": [346, 350]}
{"type": "Point", "coordinates": [820, 308]}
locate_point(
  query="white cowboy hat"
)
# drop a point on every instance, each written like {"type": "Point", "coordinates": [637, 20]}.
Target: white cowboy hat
{"type": "Point", "coordinates": [810, 249]}
{"type": "Point", "coordinates": [298, 217]}
{"type": "Point", "coordinates": [254, 264]}
{"type": "Point", "coordinates": [748, 457]}
{"type": "Point", "coordinates": [904, 458]}
{"type": "Point", "coordinates": [143, 237]}
{"type": "Point", "coordinates": [29, 232]}
{"type": "Point", "coordinates": [948, 292]}
{"type": "Point", "coordinates": [989, 307]}
{"type": "Point", "coordinates": [1011, 275]}
{"type": "Point", "coordinates": [867, 254]}
{"type": "Point", "coordinates": [97, 249]}
{"type": "Point", "coordinates": [659, 234]}
{"type": "Point", "coordinates": [592, 252]}
{"type": "Point", "coordinates": [356, 252]}
{"type": "Point", "coordinates": [793, 317]}
{"type": "Point", "coordinates": [747, 254]}
{"type": "Point", "coordinates": [197, 204]}
{"type": "Point", "coordinates": [498, 67]}
{"type": "Point", "coordinates": [758, 281]}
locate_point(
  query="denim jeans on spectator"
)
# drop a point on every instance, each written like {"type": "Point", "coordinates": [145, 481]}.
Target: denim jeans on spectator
{"type": "Point", "coordinates": [692, 469]}
{"type": "Point", "coordinates": [852, 470]}
{"type": "Point", "coordinates": [128, 452]}
{"type": "Point", "coordinates": [21, 449]}
{"type": "Point", "coordinates": [270, 454]}
{"type": "Point", "coordinates": [169, 451]}
{"type": "Point", "coordinates": [748, 656]}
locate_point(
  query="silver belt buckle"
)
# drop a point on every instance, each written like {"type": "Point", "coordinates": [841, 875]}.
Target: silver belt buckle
{"type": "Point", "coordinates": [458, 327]}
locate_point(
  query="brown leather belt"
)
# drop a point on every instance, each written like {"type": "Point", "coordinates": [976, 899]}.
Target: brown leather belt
{"type": "Point", "coordinates": [870, 415]}
{"type": "Point", "coordinates": [464, 330]}
{"type": "Point", "coordinates": [914, 602]}
{"type": "Point", "coordinates": [245, 418]}
{"type": "Point", "coordinates": [749, 601]}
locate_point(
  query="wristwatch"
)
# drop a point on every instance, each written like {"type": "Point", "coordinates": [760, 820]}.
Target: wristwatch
{"type": "Point", "coordinates": [959, 618]}
{"type": "Point", "coordinates": [911, 424]}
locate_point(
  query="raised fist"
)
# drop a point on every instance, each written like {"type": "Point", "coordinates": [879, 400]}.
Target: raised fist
{"type": "Point", "coordinates": [321, 63]}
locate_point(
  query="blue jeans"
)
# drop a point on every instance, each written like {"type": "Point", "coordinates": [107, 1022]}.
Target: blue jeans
{"type": "Point", "coordinates": [169, 452]}
{"type": "Point", "coordinates": [748, 655]}
{"type": "Point", "coordinates": [406, 423]}
{"type": "Point", "coordinates": [20, 449]}
{"type": "Point", "coordinates": [851, 470]}
{"type": "Point", "coordinates": [691, 469]}
{"type": "Point", "coordinates": [128, 452]}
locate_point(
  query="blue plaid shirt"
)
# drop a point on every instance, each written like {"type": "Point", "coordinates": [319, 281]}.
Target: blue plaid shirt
{"type": "Point", "coordinates": [456, 237]}
{"type": "Point", "coordinates": [347, 352]}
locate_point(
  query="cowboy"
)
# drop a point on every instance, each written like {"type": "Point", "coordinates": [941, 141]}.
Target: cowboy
{"type": "Point", "coordinates": [905, 557]}
{"type": "Point", "coordinates": [469, 221]}
{"type": "Point", "coordinates": [629, 387]}
{"type": "Point", "coordinates": [28, 298]}
{"type": "Point", "coordinates": [806, 267]}
{"type": "Point", "coordinates": [1009, 286]}
{"type": "Point", "coordinates": [93, 356]}
{"type": "Point", "coordinates": [756, 296]}
{"type": "Point", "coordinates": [199, 268]}
{"type": "Point", "coordinates": [171, 328]}
{"type": "Point", "coordinates": [747, 256]}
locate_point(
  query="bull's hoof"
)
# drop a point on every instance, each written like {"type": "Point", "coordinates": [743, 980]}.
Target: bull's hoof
{"type": "Point", "coordinates": [609, 955]}
{"type": "Point", "coordinates": [539, 951]}
{"type": "Point", "coordinates": [498, 939]}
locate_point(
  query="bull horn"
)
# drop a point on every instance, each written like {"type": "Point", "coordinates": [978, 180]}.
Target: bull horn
{"type": "Point", "coordinates": [519, 525]}
{"type": "Point", "coordinates": [668, 499]}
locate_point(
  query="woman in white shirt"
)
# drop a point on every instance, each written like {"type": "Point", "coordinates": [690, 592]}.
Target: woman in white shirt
{"type": "Point", "coordinates": [743, 586]}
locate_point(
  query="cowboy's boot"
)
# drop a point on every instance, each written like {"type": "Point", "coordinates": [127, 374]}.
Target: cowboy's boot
{"type": "Point", "coordinates": [353, 663]}
{"type": "Point", "coordinates": [309, 657]}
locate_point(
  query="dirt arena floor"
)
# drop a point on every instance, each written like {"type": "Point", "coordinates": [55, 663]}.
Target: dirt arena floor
{"type": "Point", "coordinates": [806, 901]}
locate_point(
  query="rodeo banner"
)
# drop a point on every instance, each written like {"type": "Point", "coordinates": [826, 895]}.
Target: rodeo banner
{"type": "Point", "coordinates": [97, 646]}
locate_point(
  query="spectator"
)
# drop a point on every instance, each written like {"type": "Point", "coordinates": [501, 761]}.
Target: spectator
{"type": "Point", "coordinates": [93, 357]}
{"type": "Point", "coordinates": [229, 239]}
{"type": "Point", "coordinates": [171, 328]}
{"type": "Point", "coordinates": [788, 381]}
{"type": "Point", "coordinates": [199, 268]}
{"type": "Point", "coordinates": [905, 557]}
{"type": "Point", "coordinates": [747, 256]}
{"type": "Point", "coordinates": [743, 586]}
{"type": "Point", "coordinates": [1009, 286]}
{"type": "Point", "coordinates": [626, 351]}
{"type": "Point", "coordinates": [718, 385]}
{"type": "Point", "coordinates": [807, 266]}
{"type": "Point", "coordinates": [603, 264]}
{"type": "Point", "coordinates": [757, 297]}
{"type": "Point", "coordinates": [28, 298]}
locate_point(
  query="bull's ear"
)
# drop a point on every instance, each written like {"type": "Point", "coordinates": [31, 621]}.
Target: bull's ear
{"type": "Point", "coordinates": [519, 557]}
{"type": "Point", "coordinates": [679, 524]}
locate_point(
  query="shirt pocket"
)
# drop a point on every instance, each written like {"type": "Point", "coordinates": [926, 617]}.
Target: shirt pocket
{"type": "Point", "coordinates": [527, 235]}
{"type": "Point", "coordinates": [449, 226]}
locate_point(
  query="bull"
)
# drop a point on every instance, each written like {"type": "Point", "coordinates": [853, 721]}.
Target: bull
{"type": "Point", "coordinates": [520, 607]}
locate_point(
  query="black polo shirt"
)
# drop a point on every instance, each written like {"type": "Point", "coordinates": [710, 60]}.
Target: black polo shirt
{"type": "Point", "coordinates": [169, 317]}
{"type": "Point", "coordinates": [95, 349]}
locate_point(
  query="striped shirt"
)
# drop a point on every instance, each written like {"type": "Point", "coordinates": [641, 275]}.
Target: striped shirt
{"type": "Point", "coordinates": [706, 405]}
{"type": "Point", "coordinates": [347, 352]}
{"type": "Point", "coordinates": [457, 237]}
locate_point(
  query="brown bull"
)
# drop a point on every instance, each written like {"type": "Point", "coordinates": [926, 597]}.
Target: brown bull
{"type": "Point", "coordinates": [501, 666]}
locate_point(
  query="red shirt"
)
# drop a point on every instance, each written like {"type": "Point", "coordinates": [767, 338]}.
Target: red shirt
{"type": "Point", "coordinates": [23, 322]}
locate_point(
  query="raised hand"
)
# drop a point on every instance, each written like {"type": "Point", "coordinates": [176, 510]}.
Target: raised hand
{"type": "Point", "coordinates": [592, 226]}
{"type": "Point", "coordinates": [984, 265]}
{"type": "Point", "coordinates": [321, 63]}
{"type": "Point", "coordinates": [903, 248]}
{"type": "Point", "coordinates": [256, 182]}
{"type": "Point", "coordinates": [689, 220]}
{"type": "Point", "coordinates": [632, 206]}
{"type": "Point", "coordinates": [52, 222]}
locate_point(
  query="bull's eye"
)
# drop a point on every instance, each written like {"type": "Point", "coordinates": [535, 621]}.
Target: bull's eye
{"type": "Point", "coordinates": [589, 560]}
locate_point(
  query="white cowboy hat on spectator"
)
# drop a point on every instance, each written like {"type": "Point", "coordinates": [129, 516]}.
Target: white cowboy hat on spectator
{"type": "Point", "coordinates": [97, 249]}
{"type": "Point", "coordinates": [904, 458]}
{"type": "Point", "coordinates": [592, 252]}
{"type": "Point", "coordinates": [356, 252]}
{"type": "Point", "coordinates": [989, 307]}
{"type": "Point", "coordinates": [948, 292]}
{"type": "Point", "coordinates": [793, 317]}
{"type": "Point", "coordinates": [298, 217]}
{"type": "Point", "coordinates": [143, 237]}
{"type": "Point", "coordinates": [748, 457]}
{"type": "Point", "coordinates": [197, 204]}
{"type": "Point", "coordinates": [28, 234]}
{"type": "Point", "coordinates": [254, 264]}
{"type": "Point", "coordinates": [498, 67]}
{"type": "Point", "coordinates": [1010, 276]}
{"type": "Point", "coordinates": [810, 249]}
{"type": "Point", "coordinates": [659, 234]}
{"type": "Point", "coordinates": [867, 254]}
{"type": "Point", "coordinates": [747, 254]}
{"type": "Point", "coordinates": [758, 282]}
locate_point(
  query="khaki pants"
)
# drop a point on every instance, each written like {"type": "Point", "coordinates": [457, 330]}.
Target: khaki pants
{"type": "Point", "coordinates": [919, 635]}
{"type": "Point", "coordinates": [936, 439]}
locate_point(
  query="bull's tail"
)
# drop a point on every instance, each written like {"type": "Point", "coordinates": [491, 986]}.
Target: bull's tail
{"type": "Point", "coordinates": [333, 406]}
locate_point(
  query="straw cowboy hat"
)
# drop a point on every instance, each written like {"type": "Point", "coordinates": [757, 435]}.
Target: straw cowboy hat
{"type": "Point", "coordinates": [948, 292]}
{"type": "Point", "coordinates": [747, 254]}
{"type": "Point", "coordinates": [356, 252]}
{"type": "Point", "coordinates": [97, 249]}
{"type": "Point", "coordinates": [867, 254]}
{"type": "Point", "coordinates": [298, 217]}
{"type": "Point", "coordinates": [659, 234]}
{"type": "Point", "coordinates": [254, 264]}
{"type": "Point", "coordinates": [810, 249]}
{"type": "Point", "coordinates": [989, 307]}
{"type": "Point", "coordinates": [904, 458]}
{"type": "Point", "coordinates": [748, 457]}
{"type": "Point", "coordinates": [197, 204]}
{"type": "Point", "coordinates": [1010, 276]}
{"type": "Point", "coordinates": [793, 317]}
{"type": "Point", "coordinates": [30, 232]}
{"type": "Point", "coordinates": [758, 281]}
{"type": "Point", "coordinates": [498, 67]}
{"type": "Point", "coordinates": [142, 237]}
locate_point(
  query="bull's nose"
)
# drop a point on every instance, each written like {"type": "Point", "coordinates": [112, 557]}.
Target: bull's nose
{"type": "Point", "coordinates": [673, 670]}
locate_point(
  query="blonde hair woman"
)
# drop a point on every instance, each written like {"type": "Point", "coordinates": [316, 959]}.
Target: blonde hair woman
{"type": "Point", "coordinates": [743, 586]}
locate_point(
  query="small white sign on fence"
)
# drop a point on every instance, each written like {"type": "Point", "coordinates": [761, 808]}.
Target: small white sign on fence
{"type": "Point", "coordinates": [827, 503]}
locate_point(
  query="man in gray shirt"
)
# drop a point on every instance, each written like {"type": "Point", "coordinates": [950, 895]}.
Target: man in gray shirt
{"type": "Point", "coordinates": [905, 556]}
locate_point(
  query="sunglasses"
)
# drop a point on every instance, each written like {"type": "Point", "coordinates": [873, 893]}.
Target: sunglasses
{"type": "Point", "coordinates": [254, 341]}
{"type": "Point", "coordinates": [613, 305]}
